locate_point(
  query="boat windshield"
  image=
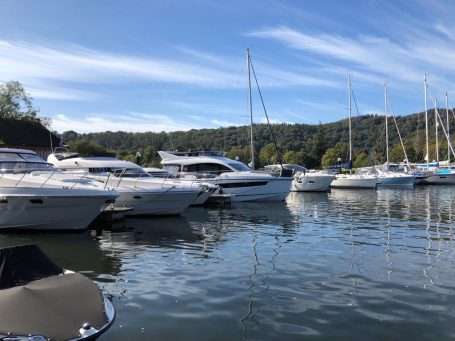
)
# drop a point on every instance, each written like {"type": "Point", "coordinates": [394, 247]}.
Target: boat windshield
{"type": "Point", "coordinates": [130, 173]}
{"type": "Point", "coordinates": [241, 167]}
{"type": "Point", "coordinates": [172, 168]}
{"type": "Point", "coordinates": [22, 162]}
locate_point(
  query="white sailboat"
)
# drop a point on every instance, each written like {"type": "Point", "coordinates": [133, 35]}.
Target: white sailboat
{"type": "Point", "coordinates": [385, 176]}
{"type": "Point", "coordinates": [353, 180]}
{"type": "Point", "coordinates": [439, 175]}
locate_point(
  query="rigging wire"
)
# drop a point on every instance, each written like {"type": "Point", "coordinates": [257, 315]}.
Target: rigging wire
{"type": "Point", "coordinates": [266, 115]}
{"type": "Point", "coordinates": [364, 139]}
{"type": "Point", "coordinates": [398, 130]}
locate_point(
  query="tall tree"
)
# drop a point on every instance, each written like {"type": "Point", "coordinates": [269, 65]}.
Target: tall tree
{"type": "Point", "coordinates": [16, 103]}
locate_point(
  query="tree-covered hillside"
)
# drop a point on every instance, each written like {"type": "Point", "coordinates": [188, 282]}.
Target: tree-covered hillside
{"type": "Point", "coordinates": [311, 145]}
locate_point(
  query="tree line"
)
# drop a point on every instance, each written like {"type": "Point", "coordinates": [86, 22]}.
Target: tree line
{"type": "Point", "coordinates": [313, 146]}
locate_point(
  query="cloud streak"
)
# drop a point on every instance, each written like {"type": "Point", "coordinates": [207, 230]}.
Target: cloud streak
{"type": "Point", "coordinates": [374, 57]}
{"type": "Point", "coordinates": [134, 122]}
{"type": "Point", "coordinates": [53, 71]}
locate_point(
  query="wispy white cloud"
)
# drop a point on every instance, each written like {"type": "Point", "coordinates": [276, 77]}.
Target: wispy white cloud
{"type": "Point", "coordinates": [52, 71]}
{"type": "Point", "coordinates": [135, 122]}
{"type": "Point", "coordinates": [67, 62]}
{"type": "Point", "coordinates": [374, 58]}
{"type": "Point", "coordinates": [221, 123]}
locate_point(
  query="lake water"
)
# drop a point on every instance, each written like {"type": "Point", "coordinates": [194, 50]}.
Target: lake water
{"type": "Point", "coordinates": [342, 265]}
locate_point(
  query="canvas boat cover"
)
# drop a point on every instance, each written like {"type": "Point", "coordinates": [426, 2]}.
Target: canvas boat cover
{"type": "Point", "coordinates": [25, 263]}
{"type": "Point", "coordinates": [54, 307]}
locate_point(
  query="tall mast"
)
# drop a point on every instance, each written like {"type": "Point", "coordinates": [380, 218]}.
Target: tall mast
{"type": "Point", "coordinates": [448, 130]}
{"type": "Point", "coordinates": [426, 120]}
{"type": "Point", "coordinates": [386, 127]}
{"type": "Point", "coordinates": [350, 133]}
{"type": "Point", "coordinates": [436, 123]}
{"type": "Point", "coordinates": [250, 107]}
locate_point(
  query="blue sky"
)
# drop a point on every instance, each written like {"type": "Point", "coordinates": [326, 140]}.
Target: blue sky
{"type": "Point", "coordinates": [141, 65]}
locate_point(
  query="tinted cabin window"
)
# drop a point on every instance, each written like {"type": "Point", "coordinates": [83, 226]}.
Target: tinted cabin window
{"type": "Point", "coordinates": [212, 168]}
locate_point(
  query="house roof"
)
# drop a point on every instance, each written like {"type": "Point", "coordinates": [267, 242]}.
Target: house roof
{"type": "Point", "coordinates": [26, 133]}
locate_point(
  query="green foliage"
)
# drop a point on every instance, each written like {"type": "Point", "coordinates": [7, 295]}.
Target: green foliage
{"type": "Point", "coordinates": [295, 158]}
{"type": "Point", "coordinates": [16, 103]}
{"type": "Point", "coordinates": [85, 147]}
{"type": "Point", "coordinates": [268, 155]}
{"type": "Point", "coordinates": [331, 155]}
{"type": "Point", "coordinates": [310, 145]}
{"type": "Point", "coordinates": [242, 153]}
{"type": "Point", "coordinates": [361, 160]}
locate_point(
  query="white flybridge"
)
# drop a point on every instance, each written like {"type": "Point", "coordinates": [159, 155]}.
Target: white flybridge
{"type": "Point", "coordinates": [386, 177]}
{"type": "Point", "coordinates": [31, 198]}
{"type": "Point", "coordinates": [233, 177]}
{"type": "Point", "coordinates": [353, 180]}
{"type": "Point", "coordinates": [145, 194]}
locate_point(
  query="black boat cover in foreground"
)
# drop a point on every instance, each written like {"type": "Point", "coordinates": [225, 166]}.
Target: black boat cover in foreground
{"type": "Point", "coordinates": [25, 263]}
{"type": "Point", "coordinates": [54, 307]}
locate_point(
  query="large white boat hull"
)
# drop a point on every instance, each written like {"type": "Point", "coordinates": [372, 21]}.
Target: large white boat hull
{"type": "Point", "coordinates": [146, 202]}
{"type": "Point", "coordinates": [51, 208]}
{"type": "Point", "coordinates": [254, 188]}
{"type": "Point", "coordinates": [312, 183]}
{"type": "Point", "coordinates": [354, 181]}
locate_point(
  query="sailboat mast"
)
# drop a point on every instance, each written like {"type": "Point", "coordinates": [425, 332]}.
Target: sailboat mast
{"type": "Point", "coordinates": [350, 132]}
{"type": "Point", "coordinates": [448, 130]}
{"type": "Point", "coordinates": [386, 127]}
{"type": "Point", "coordinates": [426, 121]}
{"type": "Point", "coordinates": [436, 123]}
{"type": "Point", "coordinates": [250, 107]}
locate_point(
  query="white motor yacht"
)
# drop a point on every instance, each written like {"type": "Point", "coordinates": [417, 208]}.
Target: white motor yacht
{"type": "Point", "coordinates": [146, 194]}
{"type": "Point", "coordinates": [31, 200]}
{"type": "Point", "coordinates": [233, 177]}
{"type": "Point", "coordinates": [305, 180]}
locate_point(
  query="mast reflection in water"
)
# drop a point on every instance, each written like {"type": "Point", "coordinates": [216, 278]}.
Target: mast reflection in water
{"type": "Point", "coordinates": [339, 265]}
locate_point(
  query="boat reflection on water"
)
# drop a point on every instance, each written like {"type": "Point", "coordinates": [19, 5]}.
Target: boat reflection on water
{"type": "Point", "coordinates": [157, 231]}
{"type": "Point", "coordinates": [76, 251]}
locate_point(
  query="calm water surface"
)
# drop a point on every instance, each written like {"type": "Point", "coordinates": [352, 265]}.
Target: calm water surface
{"type": "Point", "coordinates": [340, 265]}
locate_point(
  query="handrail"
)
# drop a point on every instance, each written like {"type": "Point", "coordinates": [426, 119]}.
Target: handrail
{"type": "Point", "coordinates": [48, 178]}
{"type": "Point", "coordinates": [22, 177]}
{"type": "Point", "coordinates": [120, 177]}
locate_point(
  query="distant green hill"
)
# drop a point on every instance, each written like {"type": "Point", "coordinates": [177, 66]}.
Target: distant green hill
{"type": "Point", "coordinates": [300, 143]}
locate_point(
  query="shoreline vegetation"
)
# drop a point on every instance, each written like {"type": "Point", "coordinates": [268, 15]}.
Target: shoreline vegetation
{"type": "Point", "coordinates": [313, 146]}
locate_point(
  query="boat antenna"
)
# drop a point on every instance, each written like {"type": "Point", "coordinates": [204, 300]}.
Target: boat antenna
{"type": "Point", "coordinates": [448, 129]}
{"type": "Point", "coordinates": [50, 138]}
{"type": "Point", "coordinates": [350, 133]}
{"type": "Point", "coordinates": [436, 124]}
{"type": "Point", "coordinates": [267, 117]}
{"type": "Point", "coordinates": [170, 140]}
{"type": "Point", "coordinates": [426, 120]}
{"type": "Point", "coordinates": [386, 126]}
{"type": "Point", "coordinates": [250, 104]}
